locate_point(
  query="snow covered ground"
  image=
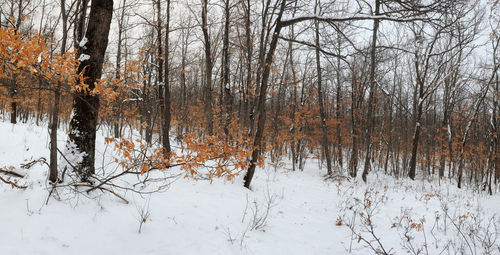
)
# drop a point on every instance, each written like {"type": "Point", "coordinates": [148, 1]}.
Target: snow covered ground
{"type": "Point", "coordinates": [285, 213]}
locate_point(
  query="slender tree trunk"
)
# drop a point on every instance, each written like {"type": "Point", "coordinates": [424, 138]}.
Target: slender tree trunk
{"type": "Point", "coordinates": [264, 38]}
{"type": "Point", "coordinates": [159, 71]}
{"type": "Point", "coordinates": [147, 105]}
{"type": "Point", "coordinates": [371, 98]}
{"type": "Point", "coordinates": [13, 90]}
{"type": "Point", "coordinates": [445, 126]}
{"type": "Point", "coordinates": [249, 53]}
{"type": "Point", "coordinates": [324, 128]}
{"type": "Point", "coordinates": [261, 106]}
{"type": "Point", "coordinates": [353, 162]}
{"type": "Point", "coordinates": [338, 109]}
{"type": "Point", "coordinates": [53, 134]}
{"type": "Point", "coordinates": [496, 131]}
{"type": "Point", "coordinates": [118, 114]}
{"type": "Point", "coordinates": [166, 99]}
{"type": "Point", "coordinates": [208, 67]}
{"type": "Point", "coordinates": [228, 99]}
{"type": "Point", "coordinates": [416, 135]}
{"type": "Point", "coordinates": [293, 129]}
{"type": "Point", "coordinates": [468, 127]}
{"type": "Point", "coordinates": [13, 104]}
{"type": "Point", "coordinates": [57, 98]}
{"type": "Point", "coordinates": [495, 120]}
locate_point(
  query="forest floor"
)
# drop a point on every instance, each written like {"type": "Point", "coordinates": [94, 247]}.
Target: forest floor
{"type": "Point", "coordinates": [286, 212]}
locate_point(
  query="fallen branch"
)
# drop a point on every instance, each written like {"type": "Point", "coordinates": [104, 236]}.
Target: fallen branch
{"type": "Point", "coordinates": [62, 154]}
{"type": "Point", "coordinates": [114, 193]}
{"type": "Point", "coordinates": [28, 165]}
{"type": "Point", "coordinates": [12, 183]}
{"type": "Point", "coordinates": [102, 189]}
{"type": "Point", "coordinates": [106, 181]}
{"type": "Point", "coordinates": [11, 173]}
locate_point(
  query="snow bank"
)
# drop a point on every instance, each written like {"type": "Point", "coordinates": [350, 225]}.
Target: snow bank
{"type": "Point", "coordinates": [285, 213]}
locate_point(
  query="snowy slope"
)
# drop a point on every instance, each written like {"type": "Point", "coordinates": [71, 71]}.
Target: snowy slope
{"type": "Point", "coordinates": [306, 215]}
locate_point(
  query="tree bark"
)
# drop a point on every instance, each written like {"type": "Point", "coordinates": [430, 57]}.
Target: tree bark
{"type": "Point", "coordinates": [371, 98]}
{"type": "Point", "coordinates": [261, 107]}
{"type": "Point", "coordinates": [208, 67]}
{"type": "Point", "coordinates": [338, 109]}
{"type": "Point", "coordinates": [324, 128]}
{"type": "Point", "coordinates": [57, 98]}
{"type": "Point", "coordinates": [166, 99]}
{"type": "Point", "coordinates": [85, 104]}
{"type": "Point", "coordinates": [225, 71]}
{"type": "Point", "coordinates": [118, 113]}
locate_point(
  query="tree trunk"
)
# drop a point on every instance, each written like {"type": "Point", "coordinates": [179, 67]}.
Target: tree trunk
{"type": "Point", "coordinates": [53, 134]}
{"type": "Point", "coordinates": [418, 106]}
{"type": "Point", "coordinates": [208, 68]}
{"type": "Point", "coordinates": [166, 99]}
{"type": "Point", "coordinates": [353, 162]}
{"type": "Point", "coordinates": [228, 99]}
{"type": "Point", "coordinates": [261, 107]}
{"type": "Point", "coordinates": [414, 150]}
{"type": "Point", "coordinates": [118, 112]}
{"type": "Point", "coordinates": [13, 104]}
{"type": "Point", "coordinates": [371, 98]}
{"type": "Point", "coordinates": [249, 52]}
{"type": "Point", "coordinates": [324, 129]}
{"type": "Point", "coordinates": [57, 98]}
{"type": "Point", "coordinates": [338, 109]}
{"type": "Point", "coordinates": [86, 105]}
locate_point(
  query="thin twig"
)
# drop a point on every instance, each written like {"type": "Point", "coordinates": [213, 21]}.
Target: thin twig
{"type": "Point", "coordinates": [12, 183]}
{"type": "Point", "coordinates": [11, 173]}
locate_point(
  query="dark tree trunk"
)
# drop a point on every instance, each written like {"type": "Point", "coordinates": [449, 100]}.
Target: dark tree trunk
{"type": "Point", "coordinates": [418, 103]}
{"type": "Point", "coordinates": [371, 98]}
{"type": "Point", "coordinates": [338, 109]}
{"type": "Point", "coordinates": [85, 104]}
{"type": "Point", "coordinates": [445, 127]}
{"type": "Point", "coordinates": [166, 99]}
{"type": "Point", "coordinates": [249, 52]}
{"type": "Point", "coordinates": [264, 38]}
{"type": "Point", "coordinates": [228, 99]}
{"type": "Point", "coordinates": [496, 131]}
{"type": "Point", "coordinates": [208, 67]}
{"type": "Point", "coordinates": [416, 137]}
{"type": "Point", "coordinates": [469, 125]}
{"type": "Point", "coordinates": [355, 100]}
{"type": "Point", "coordinates": [57, 98]}
{"type": "Point", "coordinates": [160, 58]}
{"type": "Point", "coordinates": [118, 113]}
{"type": "Point", "coordinates": [39, 114]}
{"type": "Point", "coordinates": [13, 104]}
{"type": "Point", "coordinates": [13, 90]}
{"type": "Point", "coordinates": [324, 128]}
{"type": "Point", "coordinates": [261, 107]}
{"type": "Point", "coordinates": [53, 135]}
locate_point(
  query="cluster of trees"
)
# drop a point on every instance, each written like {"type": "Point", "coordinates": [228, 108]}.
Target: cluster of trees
{"type": "Point", "coordinates": [403, 87]}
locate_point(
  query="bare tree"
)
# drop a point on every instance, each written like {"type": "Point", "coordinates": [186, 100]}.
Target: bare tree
{"type": "Point", "coordinates": [324, 129]}
{"type": "Point", "coordinates": [208, 66]}
{"type": "Point", "coordinates": [57, 98]}
{"type": "Point", "coordinates": [261, 106]}
{"type": "Point", "coordinates": [166, 98]}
